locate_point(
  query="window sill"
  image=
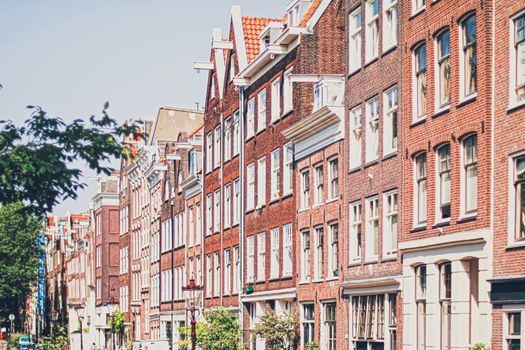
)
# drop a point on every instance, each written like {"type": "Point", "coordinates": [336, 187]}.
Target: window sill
{"type": "Point", "coordinates": [286, 195]}
{"type": "Point", "coordinates": [417, 13]}
{"type": "Point", "coordinates": [354, 169]}
{"type": "Point", "coordinates": [248, 211]}
{"type": "Point", "coordinates": [287, 112]}
{"type": "Point", "coordinates": [389, 257]}
{"type": "Point", "coordinates": [515, 106]}
{"type": "Point", "coordinates": [353, 72]}
{"type": "Point", "coordinates": [260, 206]}
{"type": "Point", "coordinates": [418, 228]}
{"type": "Point", "coordinates": [467, 100]}
{"type": "Point", "coordinates": [303, 209]}
{"type": "Point", "coordinates": [434, 2]}
{"type": "Point", "coordinates": [286, 277]}
{"type": "Point", "coordinates": [354, 263]}
{"type": "Point", "coordinates": [274, 200]}
{"type": "Point", "coordinates": [260, 131]}
{"type": "Point", "coordinates": [372, 162]}
{"type": "Point", "coordinates": [465, 219]}
{"type": "Point", "coordinates": [389, 155]}
{"type": "Point", "coordinates": [274, 279]}
{"type": "Point", "coordinates": [441, 111]}
{"type": "Point", "coordinates": [304, 282]}
{"type": "Point", "coordinates": [248, 138]}
{"type": "Point", "coordinates": [371, 260]}
{"type": "Point", "coordinates": [318, 280]}
{"type": "Point", "coordinates": [333, 199]}
{"type": "Point", "coordinates": [331, 279]}
{"type": "Point", "coordinates": [418, 121]}
{"type": "Point", "coordinates": [370, 61]}
{"type": "Point", "coordinates": [515, 245]}
{"type": "Point", "coordinates": [441, 224]}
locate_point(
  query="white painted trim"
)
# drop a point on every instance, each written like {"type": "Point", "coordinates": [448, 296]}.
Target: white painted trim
{"type": "Point", "coordinates": [463, 238]}
{"type": "Point", "coordinates": [288, 293]}
{"type": "Point", "coordinates": [238, 32]}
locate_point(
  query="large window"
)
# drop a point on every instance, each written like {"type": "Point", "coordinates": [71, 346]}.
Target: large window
{"type": "Point", "coordinates": [274, 254]}
{"type": "Point", "coordinates": [287, 250]}
{"type": "Point", "coordinates": [209, 275]}
{"type": "Point", "coordinates": [217, 274]}
{"type": "Point", "coordinates": [445, 295]}
{"type": "Point", "coordinates": [443, 71]}
{"type": "Point", "coordinates": [519, 198]}
{"type": "Point", "coordinates": [470, 175]}
{"type": "Point", "coordinates": [372, 129]}
{"type": "Point", "coordinates": [236, 134]}
{"type": "Point", "coordinates": [287, 91]}
{"type": "Point", "coordinates": [355, 232]}
{"type": "Point", "coordinates": [261, 256]}
{"type": "Point", "coordinates": [420, 81]}
{"type": "Point", "coordinates": [287, 168]}
{"type": "Point", "coordinates": [372, 229]}
{"type": "Point", "coordinates": [390, 223]}
{"type": "Point", "coordinates": [420, 189]}
{"type": "Point", "coordinates": [250, 189]}
{"type": "Point", "coordinates": [354, 46]}
{"type": "Point", "coordinates": [319, 184]}
{"type": "Point", "coordinates": [276, 99]}
{"type": "Point", "coordinates": [261, 182]}
{"type": "Point", "coordinates": [217, 211]}
{"type": "Point", "coordinates": [418, 5]}
{"type": "Point", "coordinates": [333, 178]}
{"type": "Point", "coordinates": [329, 330]}
{"type": "Point", "coordinates": [236, 201]}
{"type": "Point", "coordinates": [227, 139]}
{"type": "Point", "coordinates": [209, 153]}
{"type": "Point", "coordinates": [517, 59]}
{"type": "Point", "coordinates": [250, 253]}
{"type": "Point", "coordinates": [421, 296]}
{"type": "Point", "coordinates": [333, 250]}
{"type": "Point", "coordinates": [443, 183]}
{"type": "Point", "coordinates": [372, 30]}
{"type": "Point", "coordinates": [261, 110]}
{"type": "Point", "coordinates": [390, 100]}
{"type": "Point", "coordinates": [217, 147]}
{"type": "Point", "coordinates": [305, 255]}
{"type": "Point", "coordinates": [307, 324]}
{"type": "Point", "coordinates": [305, 189]}
{"type": "Point", "coordinates": [275, 174]}
{"type": "Point", "coordinates": [373, 322]}
{"type": "Point", "coordinates": [355, 138]}
{"type": "Point", "coordinates": [319, 253]}
{"type": "Point", "coordinates": [514, 332]}
{"type": "Point", "coordinates": [250, 119]}
{"type": "Point", "coordinates": [227, 205]}
{"type": "Point", "coordinates": [236, 270]}
{"type": "Point", "coordinates": [469, 58]}
{"type": "Point", "coordinates": [389, 24]}
{"type": "Point", "coordinates": [209, 214]}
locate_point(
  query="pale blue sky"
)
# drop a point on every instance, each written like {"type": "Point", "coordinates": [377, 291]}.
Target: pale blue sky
{"type": "Point", "coordinates": [71, 56]}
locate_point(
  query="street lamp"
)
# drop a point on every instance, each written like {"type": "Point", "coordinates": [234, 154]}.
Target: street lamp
{"type": "Point", "coordinates": [80, 314]}
{"type": "Point", "coordinates": [192, 294]}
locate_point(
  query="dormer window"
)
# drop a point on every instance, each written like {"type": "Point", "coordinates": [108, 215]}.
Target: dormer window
{"type": "Point", "coordinates": [265, 42]}
{"type": "Point", "coordinates": [293, 16]}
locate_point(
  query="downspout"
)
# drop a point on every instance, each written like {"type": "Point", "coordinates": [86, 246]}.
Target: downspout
{"type": "Point", "coordinates": [172, 269]}
{"type": "Point", "coordinates": [202, 215]}
{"type": "Point", "coordinates": [490, 239]}
{"type": "Point", "coordinates": [221, 191]}
{"type": "Point", "coordinates": [241, 208]}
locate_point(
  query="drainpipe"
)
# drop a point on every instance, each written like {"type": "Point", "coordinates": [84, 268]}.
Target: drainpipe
{"type": "Point", "coordinates": [221, 191]}
{"type": "Point", "coordinates": [241, 208]}
{"type": "Point", "coordinates": [172, 272]}
{"type": "Point", "coordinates": [490, 239]}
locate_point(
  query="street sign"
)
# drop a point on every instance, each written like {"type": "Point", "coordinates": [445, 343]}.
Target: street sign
{"type": "Point", "coordinates": [11, 317]}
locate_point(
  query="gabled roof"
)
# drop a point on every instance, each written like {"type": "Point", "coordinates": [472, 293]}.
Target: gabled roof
{"type": "Point", "coordinates": [252, 27]}
{"type": "Point", "coordinates": [308, 15]}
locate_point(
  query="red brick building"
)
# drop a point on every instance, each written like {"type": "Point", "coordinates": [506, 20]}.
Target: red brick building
{"type": "Point", "coordinates": [446, 134]}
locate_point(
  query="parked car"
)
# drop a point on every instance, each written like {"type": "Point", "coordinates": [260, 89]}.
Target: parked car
{"type": "Point", "coordinates": [25, 342]}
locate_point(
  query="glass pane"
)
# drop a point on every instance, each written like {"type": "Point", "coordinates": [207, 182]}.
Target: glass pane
{"type": "Point", "coordinates": [470, 30]}
{"type": "Point", "coordinates": [444, 44]}
{"type": "Point", "coordinates": [520, 29]}
{"type": "Point", "coordinates": [514, 344]}
{"type": "Point", "coordinates": [515, 323]}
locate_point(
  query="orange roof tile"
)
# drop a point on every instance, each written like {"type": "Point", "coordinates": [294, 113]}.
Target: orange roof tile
{"type": "Point", "coordinates": [196, 131]}
{"type": "Point", "coordinates": [309, 13]}
{"type": "Point", "coordinates": [252, 34]}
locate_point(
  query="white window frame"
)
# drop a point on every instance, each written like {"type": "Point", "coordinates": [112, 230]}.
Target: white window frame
{"type": "Point", "coordinates": [516, 83]}
{"type": "Point", "coordinates": [236, 201]}
{"type": "Point", "coordinates": [390, 213]}
{"type": "Point", "coordinates": [465, 188]}
{"type": "Point", "coordinates": [441, 177]}
{"type": "Point", "coordinates": [419, 219]}
{"type": "Point", "coordinates": [250, 258]}
{"type": "Point", "coordinates": [356, 233]}
{"type": "Point", "coordinates": [305, 189]}
{"type": "Point", "coordinates": [355, 138]}
{"type": "Point", "coordinates": [513, 309]}
{"type": "Point", "coordinates": [287, 250]}
{"type": "Point", "coordinates": [309, 322]}
{"type": "Point", "coordinates": [261, 110]}
{"type": "Point", "coordinates": [227, 271]}
{"type": "Point", "coordinates": [216, 274]}
{"type": "Point", "coordinates": [288, 173]}
{"type": "Point", "coordinates": [371, 235]}
{"type": "Point", "coordinates": [372, 129]}
{"type": "Point", "coordinates": [250, 187]}
{"type": "Point", "coordinates": [355, 39]}
{"type": "Point", "coordinates": [333, 249]}
{"type": "Point", "coordinates": [236, 269]}
{"type": "Point", "coordinates": [306, 255]}
{"type": "Point", "coordinates": [513, 240]}
{"type": "Point", "coordinates": [371, 31]}
{"type": "Point", "coordinates": [209, 155]}
{"type": "Point", "coordinates": [209, 214]}
{"type": "Point", "coordinates": [333, 178]}
{"type": "Point", "coordinates": [209, 272]}
{"type": "Point", "coordinates": [250, 119]}
{"type": "Point", "coordinates": [418, 6]}
{"type": "Point", "coordinates": [261, 182]}
{"type": "Point", "coordinates": [391, 121]}
{"type": "Point", "coordinates": [227, 205]}
{"type": "Point", "coordinates": [276, 100]}
{"type": "Point", "coordinates": [442, 60]}
{"type": "Point", "coordinates": [287, 91]}
{"type": "Point", "coordinates": [217, 147]}
{"type": "Point", "coordinates": [275, 174]}
{"type": "Point", "coordinates": [319, 250]}
{"type": "Point", "coordinates": [227, 139]}
{"type": "Point", "coordinates": [274, 253]}
{"type": "Point", "coordinates": [463, 95]}
{"type": "Point", "coordinates": [261, 256]}
{"type": "Point", "coordinates": [217, 211]}
{"type": "Point", "coordinates": [318, 184]}
{"type": "Point", "coordinates": [236, 134]}
{"type": "Point", "coordinates": [328, 338]}
{"type": "Point", "coordinates": [419, 112]}
{"type": "Point", "coordinates": [390, 24]}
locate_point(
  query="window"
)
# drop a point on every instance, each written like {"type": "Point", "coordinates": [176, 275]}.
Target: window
{"type": "Point", "coordinates": [514, 331]}
{"type": "Point", "coordinates": [443, 69]}
{"type": "Point", "coordinates": [217, 211]}
{"type": "Point", "coordinates": [261, 111]}
{"type": "Point", "coordinates": [209, 152]}
{"type": "Point", "coordinates": [470, 175]}
{"type": "Point", "coordinates": [287, 250]}
{"type": "Point", "coordinates": [275, 169]}
{"type": "Point", "coordinates": [469, 81]}
{"type": "Point", "coordinates": [319, 253]}
{"type": "Point", "coordinates": [333, 250]}
{"type": "Point", "coordinates": [319, 184]}
{"type": "Point", "coordinates": [305, 189]}
{"type": "Point", "coordinates": [389, 24]}
{"type": "Point", "coordinates": [319, 96]}
{"type": "Point", "coordinates": [232, 68]}
{"type": "Point", "coordinates": [217, 149]}
{"type": "Point", "coordinates": [305, 255]}
{"type": "Point", "coordinates": [227, 270]}
{"type": "Point", "coordinates": [329, 330]}
{"type": "Point", "coordinates": [333, 178]}
{"type": "Point", "coordinates": [227, 205]}
{"type": "Point", "coordinates": [372, 32]}
{"type": "Point", "coordinates": [236, 134]}
{"type": "Point", "coordinates": [355, 232]}
{"type": "Point", "coordinates": [250, 116]}
{"type": "Point", "coordinates": [517, 59]}
{"type": "Point", "coordinates": [355, 137]}
{"type": "Point", "coordinates": [276, 99]}
{"type": "Point", "coordinates": [519, 198]}
{"type": "Point", "coordinates": [212, 87]}
{"type": "Point", "coordinates": [199, 271]}
{"type": "Point", "coordinates": [287, 91]}
{"type": "Point", "coordinates": [421, 294]}
{"type": "Point", "coordinates": [372, 229]}
{"type": "Point", "coordinates": [217, 274]}
{"type": "Point", "coordinates": [227, 139]}
{"type": "Point", "coordinates": [420, 189]}
{"type": "Point", "coordinates": [372, 129]}
{"type": "Point", "coordinates": [390, 223]}
{"type": "Point", "coordinates": [250, 266]}
{"type": "Point", "coordinates": [390, 121]}
{"type": "Point", "coordinates": [236, 201]}
{"type": "Point", "coordinates": [198, 224]}
{"type": "Point", "coordinates": [443, 183]}
{"type": "Point", "coordinates": [261, 256]}
{"type": "Point", "coordinates": [209, 219]}
{"type": "Point", "coordinates": [237, 269]}
{"type": "Point", "coordinates": [369, 327]}
{"type": "Point", "coordinates": [307, 324]}
{"type": "Point", "coordinates": [191, 229]}
{"type": "Point", "coordinates": [261, 182]}
{"type": "Point", "coordinates": [354, 47]}
{"type": "Point", "coordinates": [99, 256]}
{"type": "Point", "coordinates": [445, 294]}
{"type": "Point", "coordinates": [274, 261]}
{"type": "Point", "coordinates": [420, 81]}
{"type": "Point", "coordinates": [250, 191]}
{"type": "Point", "coordinates": [418, 5]}
{"type": "Point", "coordinates": [287, 168]}
{"type": "Point", "coordinates": [209, 272]}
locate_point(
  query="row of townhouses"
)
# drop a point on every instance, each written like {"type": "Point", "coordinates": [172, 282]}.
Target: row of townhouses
{"type": "Point", "coordinates": [358, 163]}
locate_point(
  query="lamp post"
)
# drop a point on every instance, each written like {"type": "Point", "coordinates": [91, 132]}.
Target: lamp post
{"type": "Point", "coordinates": [80, 314]}
{"type": "Point", "coordinates": [192, 294]}
{"type": "Point", "coordinates": [112, 316]}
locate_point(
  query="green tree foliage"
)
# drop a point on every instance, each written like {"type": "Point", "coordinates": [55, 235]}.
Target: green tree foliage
{"type": "Point", "coordinates": [219, 331]}
{"type": "Point", "coordinates": [18, 256]}
{"type": "Point", "coordinates": [278, 331]}
{"type": "Point", "coordinates": [36, 159]}
{"type": "Point", "coordinates": [311, 346]}
{"type": "Point", "coordinates": [116, 322]}
{"type": "Point", "coordinates": [58, 341]}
